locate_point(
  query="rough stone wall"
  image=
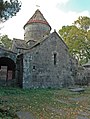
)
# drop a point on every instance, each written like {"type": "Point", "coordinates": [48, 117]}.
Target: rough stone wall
{"type": "Point", "coordinates": [9, 79]}
{"type": "Point", "coordinates": [74, 68]}
{"type": "Point", "coordinates": [35, 31]}
{"type": "Point", "coordinates": [19, 70]}
{"type": "Point", "coordinates": [88, 75]}
{"type": "Point", "coordinates": [8, 54]}
{"type": "Point", "coordinates": [15, 48]}
{"type": "Point", "coordinates": [83, 76]}
{"type": "Point", "coordinates": [41, 68]}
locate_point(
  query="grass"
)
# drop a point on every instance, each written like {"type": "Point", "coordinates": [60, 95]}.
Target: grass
{"type": "Point", "coordinates": [44, 103]}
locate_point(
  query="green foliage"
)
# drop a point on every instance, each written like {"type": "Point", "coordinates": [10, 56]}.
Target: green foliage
{"type": "Point", "coordinates": [5, 42]}
{"type": "Point", "coordinates": [77, 38]}
{"type": "Point", "coordinates": [83, 23]}
{"type": "Point", "coordinates": [44, 103]}
{"type": "Point", "coordinates": [9, 8]}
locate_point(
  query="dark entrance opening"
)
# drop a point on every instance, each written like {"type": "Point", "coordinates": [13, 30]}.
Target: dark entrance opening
{"type": "Point", "coordinates": [7, 69]}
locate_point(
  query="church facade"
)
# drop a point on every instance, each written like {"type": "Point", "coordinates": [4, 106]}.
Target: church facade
{"type": "Point", "coordinates": [41, 60]}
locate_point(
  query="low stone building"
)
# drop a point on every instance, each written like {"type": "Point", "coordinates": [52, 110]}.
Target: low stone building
{"type": "Point", "coordinates": [42, 59]}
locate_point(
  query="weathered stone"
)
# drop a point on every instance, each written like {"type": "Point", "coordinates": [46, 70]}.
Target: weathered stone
{"type": "Point", "coordinates": [41, 70]}
{"type": "Point", "coordinates": [25, 115]}
{"type": "Point", "coordinates": [42, 59]}
{"type": "Point", "coordinates": [77, 90]}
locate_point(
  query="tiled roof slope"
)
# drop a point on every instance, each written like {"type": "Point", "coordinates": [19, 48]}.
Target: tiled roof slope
{"type": "Point", "coordinates": [37, 18]}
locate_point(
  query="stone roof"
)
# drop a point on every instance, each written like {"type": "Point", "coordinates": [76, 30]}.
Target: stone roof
{"type": "Point", "coordinates": [37, 18]}
{"type": "Point", "coordinates": [20, 43]}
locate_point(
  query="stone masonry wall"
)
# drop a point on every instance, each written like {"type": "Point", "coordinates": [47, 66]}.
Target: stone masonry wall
{"type": "Point", "coordinates": [7, 75]}
{"type": "Point", "coordinates": [8, 54]}
{"type": "Point", "coordinates": [41, 68]}
{"type": "Point", "coordinates": [36, 31]}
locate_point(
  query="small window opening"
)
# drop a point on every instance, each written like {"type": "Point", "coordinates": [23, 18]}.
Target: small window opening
{"type": "Point", "coordinates": [34, 67]}
{"type": "Point", "coordinates": [36, 52]}
{"type": "Point", "coordinates": [55, 58]}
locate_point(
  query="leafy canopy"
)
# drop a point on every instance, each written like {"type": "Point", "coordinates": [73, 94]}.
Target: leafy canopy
{"type": "Point", "coordinates": [77, 38]}
{"type": "Point", "coordinates": [5, 42]}
{"type": "Point", "coordinates": [9, 8]}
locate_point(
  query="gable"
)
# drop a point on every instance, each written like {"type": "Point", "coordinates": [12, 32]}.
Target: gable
{"type": "Point", "coordinates": [53, 40]}
{"type": "Point", "coordinates": [53, 44]}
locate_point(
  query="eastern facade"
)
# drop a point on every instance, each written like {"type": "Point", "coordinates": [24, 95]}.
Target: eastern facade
{"type": "Point", "coordinates": [42, 59]}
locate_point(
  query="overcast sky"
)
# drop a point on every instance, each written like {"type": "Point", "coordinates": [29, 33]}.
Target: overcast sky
{"type": "Point", "coordinates": [57, 12]}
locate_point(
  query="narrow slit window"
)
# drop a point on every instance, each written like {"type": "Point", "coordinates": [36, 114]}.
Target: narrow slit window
{"type": "Point", "coordinates": [55, 58]}
{"type": "Point", "coordinates": [34, 67]}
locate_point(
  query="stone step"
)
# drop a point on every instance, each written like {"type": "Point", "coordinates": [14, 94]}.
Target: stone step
{"type": "Point", "coordinates": [25, 115]}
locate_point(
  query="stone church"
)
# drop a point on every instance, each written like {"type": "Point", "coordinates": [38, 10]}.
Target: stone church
{"type": "Point", "coordinates": [41, 60]}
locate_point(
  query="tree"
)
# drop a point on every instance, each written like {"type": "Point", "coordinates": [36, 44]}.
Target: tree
{"type": "Point", "coordinates": [77, 38]}
{"type": "Point", "coordinates": [83, 23]}
{"type": "Point", "coordinates": [9, 9]}
{"type": "Point", "coordinates": [5, 42]}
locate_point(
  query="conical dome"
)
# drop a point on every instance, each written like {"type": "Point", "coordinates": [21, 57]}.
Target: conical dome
{"type": "Point", "coordinates": [37, 18]}
{"type": "Point", "coordinates": [36, 27]}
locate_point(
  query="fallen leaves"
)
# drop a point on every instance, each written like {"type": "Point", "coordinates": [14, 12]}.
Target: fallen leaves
{"type": "Point", "coordinates": [46, 103]}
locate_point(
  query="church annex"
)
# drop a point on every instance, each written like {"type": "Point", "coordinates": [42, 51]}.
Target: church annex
{"type": "Point", "coordinates": [41, 60]}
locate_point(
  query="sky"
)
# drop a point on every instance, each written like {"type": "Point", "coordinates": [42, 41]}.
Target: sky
{"type": "Point", "coordinates": [57, 12]}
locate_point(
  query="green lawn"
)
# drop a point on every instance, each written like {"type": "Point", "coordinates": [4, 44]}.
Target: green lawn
{"type": "Point", "coordinates": [44, 103]}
